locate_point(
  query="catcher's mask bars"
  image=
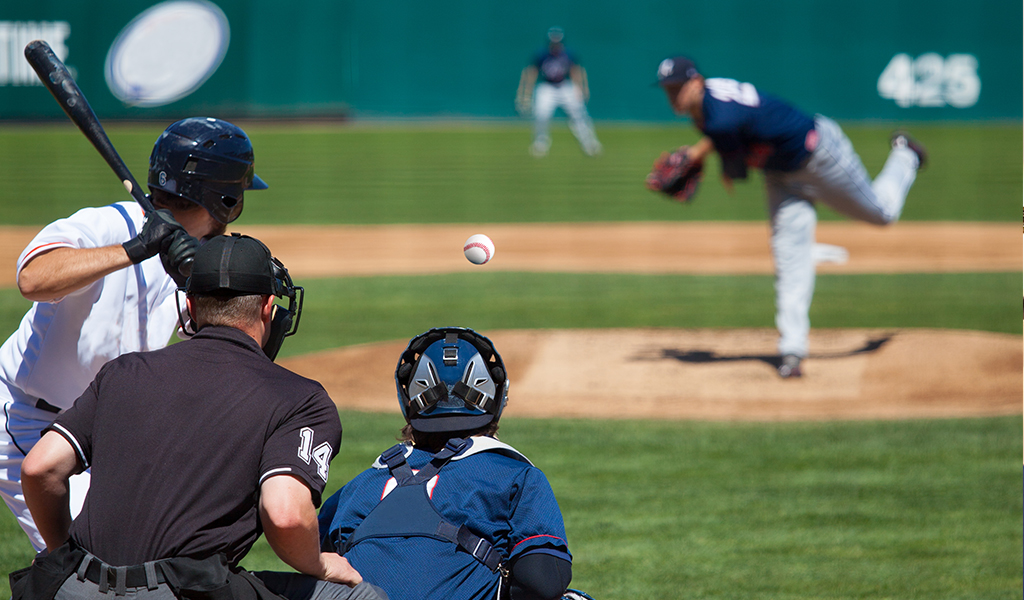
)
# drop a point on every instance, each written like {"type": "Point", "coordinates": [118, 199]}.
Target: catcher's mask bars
{"type": "Point", "coordinates": [238, 265]}
{"type": "Point", "coordinates": [451, 379]}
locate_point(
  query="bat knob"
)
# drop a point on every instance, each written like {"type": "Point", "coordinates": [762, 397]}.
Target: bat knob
{"type": "Point", "coordinates": [186, 268]}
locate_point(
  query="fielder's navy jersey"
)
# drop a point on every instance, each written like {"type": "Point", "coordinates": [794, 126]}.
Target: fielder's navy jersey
{"type": "Point", "coordinates": [500, 498]}
{"type": "Point", "coordinates": [554, 67]}
{"type": "Point", "coordinates": [761, 129]}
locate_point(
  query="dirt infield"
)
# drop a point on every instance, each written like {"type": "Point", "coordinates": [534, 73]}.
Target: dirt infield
{"type": "Point", "coordinates": [708, 248]}
{"type": "Point", "coordinates": [717, 374]}
{"type": "Point", "coordinates": [704, 248]}
{"type": "Point", "coordinates": [665, 373]}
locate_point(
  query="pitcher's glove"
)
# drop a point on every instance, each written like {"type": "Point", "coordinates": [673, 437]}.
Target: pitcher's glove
{"type": "Point", "coordinates": [676, 175]}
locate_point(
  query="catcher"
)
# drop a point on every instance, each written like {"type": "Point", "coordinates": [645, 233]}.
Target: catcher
{"type": "Point", "coordinates": [805, 160]}
{"type": "Point", "coordinates": [451, 513]}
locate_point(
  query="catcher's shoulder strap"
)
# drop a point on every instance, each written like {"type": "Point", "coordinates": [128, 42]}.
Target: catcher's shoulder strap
{"type": "Point", "coordinates": [406, 511]}
{"type": "Point", "coordinates": [474, 446]}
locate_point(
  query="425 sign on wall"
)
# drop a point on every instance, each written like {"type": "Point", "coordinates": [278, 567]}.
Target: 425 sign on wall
{"type": "Point", "coordinates": [931, 80]}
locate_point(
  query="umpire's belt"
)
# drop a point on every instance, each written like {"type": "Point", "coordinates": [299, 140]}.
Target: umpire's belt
{"type": "Point", "coordinates": [119, 578]}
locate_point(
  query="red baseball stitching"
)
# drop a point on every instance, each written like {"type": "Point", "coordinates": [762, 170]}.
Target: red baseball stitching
{"type": "Point", "coordinates": [487, 253]}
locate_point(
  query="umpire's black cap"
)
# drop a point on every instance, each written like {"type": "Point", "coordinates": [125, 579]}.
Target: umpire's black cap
{"type": "Point", "coordinates": [676, 70]}
{"type": "Point", "coordinates": [232, 265]}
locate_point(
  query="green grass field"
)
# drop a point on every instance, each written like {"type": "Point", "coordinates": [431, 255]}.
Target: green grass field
{"type": "Point", "coordinates": [909, 509]}
{"type": "Point", "coordinates": [334, 173]}
{"type": "Point", "coordinates": [916, 509]}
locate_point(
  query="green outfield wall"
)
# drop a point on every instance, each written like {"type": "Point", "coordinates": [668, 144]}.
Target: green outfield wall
{"type": "Point", "coordinates": [872, 59]}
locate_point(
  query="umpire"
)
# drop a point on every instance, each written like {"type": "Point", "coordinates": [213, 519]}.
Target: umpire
{"type": "Point", "coordinates": [194, 449]}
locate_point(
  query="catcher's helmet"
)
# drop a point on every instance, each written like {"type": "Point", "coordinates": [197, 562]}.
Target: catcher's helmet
{"type": "Point", "coordinates": [451, 379]}
{"type": "Point", "coordinates": [206, 161]}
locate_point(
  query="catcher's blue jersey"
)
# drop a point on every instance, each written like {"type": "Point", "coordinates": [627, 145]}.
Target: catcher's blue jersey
{"type": "Point", "coordinates": [761, 129]}
{"type": "Point", "coordinates": [488, 487]}
{"type": "Point", "coordinates": [554, 67]}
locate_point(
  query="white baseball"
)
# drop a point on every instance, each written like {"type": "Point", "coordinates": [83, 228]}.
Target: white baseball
{"type": "Point", "coordinates": [479, 249]}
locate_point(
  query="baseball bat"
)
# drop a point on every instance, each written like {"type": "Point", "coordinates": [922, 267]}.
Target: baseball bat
{"type": "Point", "coordinates": [62, 86]}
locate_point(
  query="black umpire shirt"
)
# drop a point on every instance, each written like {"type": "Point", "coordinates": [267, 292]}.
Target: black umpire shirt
{"type": "Point", "coordinates": [179, 441]}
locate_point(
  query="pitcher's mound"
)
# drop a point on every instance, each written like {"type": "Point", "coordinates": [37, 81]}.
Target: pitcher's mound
{"type": "Point", "coordinates": [722, 374]}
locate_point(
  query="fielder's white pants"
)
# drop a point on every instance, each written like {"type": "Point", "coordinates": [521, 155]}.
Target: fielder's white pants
{"type": "Point", "coordinates": [22, 424]}
{"type": "Point", "coordinates": [834, 175]}
{"type": "Point", "coordinates": [549, 97]}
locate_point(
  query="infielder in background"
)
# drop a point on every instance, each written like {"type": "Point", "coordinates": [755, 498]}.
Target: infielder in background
{"type": "Point", "coordinates": [563, 83]}
{"type": "Point", "coordinates": [445, 514]}
{"type": "Point", "coordinates": [196, 449]}
{"type": "Point", "coordinates": [102, 282]}
{"type": "Point", "coordinates": [805, 160]}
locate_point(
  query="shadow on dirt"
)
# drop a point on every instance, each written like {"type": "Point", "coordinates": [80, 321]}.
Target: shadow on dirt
{"type": "Point", "coordinates": [710, 356]}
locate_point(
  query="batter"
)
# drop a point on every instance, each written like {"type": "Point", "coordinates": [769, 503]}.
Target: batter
{"type": "Point", "coordinates": [101, 287]}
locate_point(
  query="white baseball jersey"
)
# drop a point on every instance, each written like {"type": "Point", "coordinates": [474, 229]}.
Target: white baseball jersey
{"type": "Point", "coordinates": [60, 346]}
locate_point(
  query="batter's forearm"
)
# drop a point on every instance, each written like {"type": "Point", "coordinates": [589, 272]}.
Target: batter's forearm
{"type": "Point", "coordinates": [54, 274]}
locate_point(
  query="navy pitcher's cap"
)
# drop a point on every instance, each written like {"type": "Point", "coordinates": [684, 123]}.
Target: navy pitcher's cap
{"type": "Point", "coordinates": [232, 265]}
{"type": "Point", "coordinates": [676, 71]}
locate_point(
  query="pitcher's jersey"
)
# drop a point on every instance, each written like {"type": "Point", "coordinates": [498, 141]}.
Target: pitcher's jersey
{"type": "Point", "coordinates": [766, 132]}
{"type": "Point", "coordinates": [60, 346]}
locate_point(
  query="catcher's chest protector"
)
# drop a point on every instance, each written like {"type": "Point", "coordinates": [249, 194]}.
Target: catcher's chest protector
{"type": "Point", "coordinates": [408, 512]}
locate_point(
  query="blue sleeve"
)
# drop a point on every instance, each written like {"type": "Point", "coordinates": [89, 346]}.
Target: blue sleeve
{"type": "Point", "coordinates": [536, 523]}
{"type": "Point", "coordinates": [326, 516]}
{"type": "Point", "coordinates": [346, 509]}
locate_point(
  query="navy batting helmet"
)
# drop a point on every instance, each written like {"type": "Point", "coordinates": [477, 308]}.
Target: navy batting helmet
{"type": "Point", "coordinates": [451, 379]}
{"type": "Point", "coordinates": [206, 161]}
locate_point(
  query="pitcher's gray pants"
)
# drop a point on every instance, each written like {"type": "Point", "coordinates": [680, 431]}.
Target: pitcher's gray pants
{"type": "Point", "coordinates": [835, 176]}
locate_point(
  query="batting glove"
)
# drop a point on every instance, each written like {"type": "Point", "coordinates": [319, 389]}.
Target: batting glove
{"type": "Point", "coordinates": [177, 259]}
{"type": "Point", "coordinates": [155, 237]}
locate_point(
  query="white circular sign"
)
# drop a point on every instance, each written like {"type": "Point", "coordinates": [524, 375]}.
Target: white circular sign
{"type": "Point", "coordinates": [167, 52]}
